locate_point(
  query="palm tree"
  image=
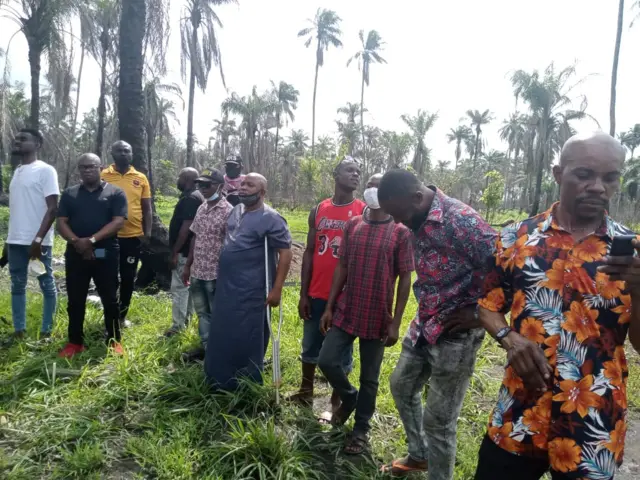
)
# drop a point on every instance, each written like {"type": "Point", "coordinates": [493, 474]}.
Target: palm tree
{"type": "Point", "coordinates": [158, 113]}
{"type": "Point", "coordinates": [200, 48]}
{"type": "Point", "coordinates": [459, 135]}
{"type": "Point", "coordinates": [512, 132]}
{"type": "Point", "coordinates": [477, 120]}
{"type": "Point", "coordinates": [286, 97]}
{"type": "Point", "coordinates": [369, 54]}
{"type": "Point", "coordinates": [398, 146]}
{"type": "Point", "coordinates": [251, 109]}
{"type": "Point", "coordinates": [130, 94]}
{"type": "Point", "coordinates": [297, 141]}
{"type": "Point", "coordinates": [351, 110]}
{"type": "Point", "coordinates": [631, 139]}
{"type": "Point", "coordinates": [43, 23]}
{"type": "Point", "coordinates": [614, 70]}
{"type": "Point", "coordinates": [547, 96]}
{"type": "Point", "coordinates": [419, 125]}
{"type": "Point", "coordinates": [99, 22]}
{"type": "Point", "coordinates": [325, 30]}
{"type": "Point", "coordinates": [224, 130]}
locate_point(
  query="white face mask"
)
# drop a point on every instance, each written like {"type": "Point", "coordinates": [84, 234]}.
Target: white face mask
{"type": "Point", "coordinates": [371, 198]}
{"type": "Point", "coordinates": [214, 197]}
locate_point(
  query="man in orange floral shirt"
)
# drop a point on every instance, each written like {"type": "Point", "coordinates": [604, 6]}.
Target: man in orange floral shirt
{"type": "Point", "coordinates": [562, 405]}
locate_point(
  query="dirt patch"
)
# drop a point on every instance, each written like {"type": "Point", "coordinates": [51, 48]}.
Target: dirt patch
{"type": "Point", "coordinates": [630, 469]}
{"type": "Point", "coordinates": [296, 262]}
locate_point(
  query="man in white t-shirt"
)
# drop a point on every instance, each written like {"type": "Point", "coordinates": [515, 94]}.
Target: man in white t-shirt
{"type": "Point", "coordinates": [33, 203]}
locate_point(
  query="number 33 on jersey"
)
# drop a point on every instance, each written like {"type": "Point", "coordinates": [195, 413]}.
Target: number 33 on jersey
{"type": "Point", "coordinates": [330, 220]}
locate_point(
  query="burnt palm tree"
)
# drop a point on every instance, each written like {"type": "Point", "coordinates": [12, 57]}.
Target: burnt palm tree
{"type": "Point", "coordinates": [614, 69]}
{"type": "Point", "coordinates": [478, 119]}
{"type": "Point", "coordinates": [459, 135]}
{"type": "Point", "coordinates": [419, 125]}
{"type": "Point", "coordinates": [286, 97]}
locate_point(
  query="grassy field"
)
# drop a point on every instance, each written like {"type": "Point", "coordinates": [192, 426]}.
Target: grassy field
{"type": "Point", "coordinates": [147, 415]}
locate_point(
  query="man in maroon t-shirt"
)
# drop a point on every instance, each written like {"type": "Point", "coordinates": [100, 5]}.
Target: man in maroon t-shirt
{"type": "Point", "coordinates": [374, 252]}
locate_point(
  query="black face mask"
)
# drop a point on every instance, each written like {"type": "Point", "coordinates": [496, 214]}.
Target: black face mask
{"type": "Point", "coordinates": [418, 219]}
{"type": "Point", "coordinates": [249, 200]}
{"type": "Point", "coordinates": [232, 170]}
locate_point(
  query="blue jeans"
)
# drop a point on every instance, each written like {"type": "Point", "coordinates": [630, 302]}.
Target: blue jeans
{"type": "Point", "coordinates": [202, 293]}
{"type": "Point", "coordinates": [312, 338]}
{"type": "Point", "coordinates": [18, 269]}
{"type": "Point", "coordinates": [447, 367]}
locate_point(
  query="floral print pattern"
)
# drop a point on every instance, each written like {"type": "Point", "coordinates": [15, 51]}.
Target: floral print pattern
{"type": "Point", "coordinates": [580, 318]}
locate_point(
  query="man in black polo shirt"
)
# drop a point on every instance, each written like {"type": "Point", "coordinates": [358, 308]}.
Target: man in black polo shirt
{"type": "Point", "coordinates": [89, 217]}
{"type": "Point", "coordinates": [179, 241]}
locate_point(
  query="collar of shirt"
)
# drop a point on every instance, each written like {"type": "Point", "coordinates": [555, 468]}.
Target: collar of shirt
{"type": "Point", "coordinates": [606, 228]}
{"type": "Point", "coordinates": [435, 211]}
{"type": "Point", "coordinates": [99, 189]}
{"type": "Point", "coordinates": [112, 169]}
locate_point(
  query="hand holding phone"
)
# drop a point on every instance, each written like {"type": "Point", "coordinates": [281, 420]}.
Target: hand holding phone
{"type": "Point", "coordinates": [622, 246]}
{"type": "Point", "coordinates": [100, 253]}
{"type": "Point", "coordinates": [622, 264]}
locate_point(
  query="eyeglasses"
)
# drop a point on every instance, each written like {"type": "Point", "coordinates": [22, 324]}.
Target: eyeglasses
{"type": "Point", "coordinates": [88, 167]}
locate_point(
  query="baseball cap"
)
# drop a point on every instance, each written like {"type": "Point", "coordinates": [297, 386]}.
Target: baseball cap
{"type": "Point", "coordinates": [211, 175]}
{"type": "Point", "coordinates": [237, 159]}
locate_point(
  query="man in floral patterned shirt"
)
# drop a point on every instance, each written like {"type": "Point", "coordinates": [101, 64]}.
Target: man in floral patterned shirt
{"type": "Point", "coordinates": [563, 403]}
{"type": "Point", "coordinates": [453, 249]}
{"type": "Point", "coordinates": [209, 228]}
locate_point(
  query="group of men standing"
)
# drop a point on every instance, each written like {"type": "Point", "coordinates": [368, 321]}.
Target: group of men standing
{"type": "Point", "coordinates": [562, 406]}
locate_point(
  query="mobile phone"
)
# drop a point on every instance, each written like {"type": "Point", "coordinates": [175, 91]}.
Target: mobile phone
{"type": "Point", "coordinates": [622, 246]}
{"type": "Point", "coordinates": [100, 253]}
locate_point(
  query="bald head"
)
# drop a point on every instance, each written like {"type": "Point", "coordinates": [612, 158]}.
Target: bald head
{"type": "Point", "coordinates": [257, 178]}
{"type": "Point", "coordinates": [589, 175]}
{"type": "Point", "coordinates": [88, 159]}
{"type": "Point", "coordinates": [187, 179]}
{"type": "Point", "coordinates": [584, 144]}
{"type": "Point", "coordinates": [252, 191]}
{"type": "Point", "coordinates": [374, 180]}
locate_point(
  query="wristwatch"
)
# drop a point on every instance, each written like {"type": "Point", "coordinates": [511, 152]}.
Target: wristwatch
{"type": "Point", "coordinates": [502, 333]}
{"type": "Point", "coordinates": [92, 239]}
{"type": "Point", "coordinates": [37, 240]}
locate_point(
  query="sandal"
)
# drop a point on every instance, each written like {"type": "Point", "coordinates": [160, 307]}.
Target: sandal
{"type": "Point", "coordinates": [357, 444]}
{"type": "Point", "coordinates": [341, 415]}
{"type": "Point", "coordinates": [401, 468]}
{"type": "Point", "coordinates": [325, 418]}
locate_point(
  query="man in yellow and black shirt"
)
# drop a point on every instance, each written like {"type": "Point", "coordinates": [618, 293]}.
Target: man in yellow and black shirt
{"type": "Point", "coordinates": [137, 226]}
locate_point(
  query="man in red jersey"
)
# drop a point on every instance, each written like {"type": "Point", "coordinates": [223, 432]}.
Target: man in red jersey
{"type": "Point", "coordinates": [326, 223]}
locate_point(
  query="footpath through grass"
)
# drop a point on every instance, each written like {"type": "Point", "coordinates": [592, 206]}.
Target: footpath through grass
{"type": "Point", "coordinates": [148, 415]}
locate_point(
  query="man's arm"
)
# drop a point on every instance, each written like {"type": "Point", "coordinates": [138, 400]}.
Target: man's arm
{"type": "Point", "coordinates": [304, 307]}
{"type": "Point", "coordinates": [186, 271]}
{"type": "Point", "coordinates": [402, 297]}
{"type": "Point", "coordinates": [49, 217]}
{"type": "Point", "coordinates": [634, 325]}
{"type": "Point", "coordinates": [65, 230]}
{"type": "Point", "coordinates": [147, 216]}
{"type": "Point", "coordinates": [284, 262]}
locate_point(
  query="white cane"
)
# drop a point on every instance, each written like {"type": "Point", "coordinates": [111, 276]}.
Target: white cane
{"type": "Point", "coordinates": [275, 339]}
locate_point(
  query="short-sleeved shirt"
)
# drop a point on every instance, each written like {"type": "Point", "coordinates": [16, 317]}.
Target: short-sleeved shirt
{"type": "Point", "coordinates": [210, 229]}
{"type": "Point", "coordinates": [30, 186]}
{"type": "Point", "coordinates": [185, 209]}
{"type": "Point", "coordinates": [329, 226]}
{"type": "Point", "coordinates": [453, 252]}
{"type": "Point", "coordinates": [375, 253]}
{"type": "Point", "coordinates": [580, 318]}
{"type": "Point", "coordinates": [88, 212]}
{"type": "Point", "coordinates": [136, 187]}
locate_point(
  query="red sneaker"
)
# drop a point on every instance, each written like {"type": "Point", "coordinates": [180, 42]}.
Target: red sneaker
{"type": "Point", "coordinates": [71, 349]}
{"type": "Point", "coordinates": [116, 348]}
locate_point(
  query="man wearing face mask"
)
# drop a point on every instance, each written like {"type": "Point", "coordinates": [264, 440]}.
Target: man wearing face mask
{"type": "Point", "coordinates": [179, 241]}
{"type": "Point", "coordinates": [137, 226]}
{"type": "Point", "coordinates": [233, 178]}
{"type": "Point", "coordinates": [239, 333]}
{"type": "Point", "coordinates": [208, 230]}
{"type": "Point", "coordinates": [374, 252]}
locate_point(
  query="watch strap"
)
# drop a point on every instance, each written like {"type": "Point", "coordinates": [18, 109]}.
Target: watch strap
{"type": "Point", "coordinates": [92, 239]}
{"type": "Point", "coordinates": [502, 333]}
{"type": "Point", "coordinates": [38, 240]}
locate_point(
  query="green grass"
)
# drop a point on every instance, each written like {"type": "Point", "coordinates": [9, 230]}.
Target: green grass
{"type": "Point", "coordinates": [147, 415]}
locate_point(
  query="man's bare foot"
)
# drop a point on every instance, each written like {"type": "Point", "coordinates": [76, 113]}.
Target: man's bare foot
{"type": "Point", "coordinates": [402, 467]}
{"type": "Point", "coordinates": [304, 399]}
{"type": "Point", "coordinates": [336, 402]}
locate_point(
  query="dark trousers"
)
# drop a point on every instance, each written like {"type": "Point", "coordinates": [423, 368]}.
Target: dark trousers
{"type": "Point", "coordinates": [130, 249]}
{"type": "Point", "coordinates": [104, 274]}
{"type": "Point", "coordinates": [495, 463]}
{"type": "Point", "coordinates": [336, 344]}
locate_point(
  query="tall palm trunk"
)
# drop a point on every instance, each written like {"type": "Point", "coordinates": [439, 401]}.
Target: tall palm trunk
{"type": "Point", "coordinates": [364, 146]}
{"type": "Point", "coordinates": [542, 145]}
{"type": "Point", "coordinates": [131, 96]}
{"type": "Point", "coordinates": [35, 53]}
{"type": "Point", "coordinates": [72, 143]}
{"type": "Point", "coordinates": [477, 148]}
{"type": "Point", "coordinates": [614, 70]}
{"type": "Point", "coordinates": [150, 142]}
{"type": "Point", "coordinates": [275, 145]}
{"type": "Point", "coordinates": [458, 151]}
{"type": "Point", "coordinates": [102, 101]}
{"type": "Point", "coordinates": [313, 110]}
{"type": "Point", "coordinates": [192, 94]}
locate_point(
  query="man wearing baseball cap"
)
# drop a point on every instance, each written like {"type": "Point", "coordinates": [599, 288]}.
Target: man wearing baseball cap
{"type": "Point", "coordinates": [209, 228]}
{"type": "Point", "coordinates": [233, 178]}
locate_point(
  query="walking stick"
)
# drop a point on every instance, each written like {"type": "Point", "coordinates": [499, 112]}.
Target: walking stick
{"type": "Point", "coordinates": [275, 338]}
